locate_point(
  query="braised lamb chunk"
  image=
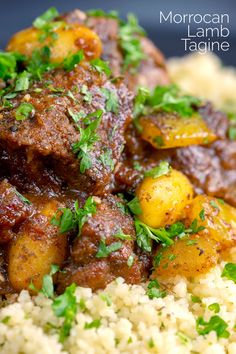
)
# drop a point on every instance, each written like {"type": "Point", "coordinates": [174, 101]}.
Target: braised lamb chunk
{"type": "Point", "coordinates": [150, 72]}
{"type": "Point", "coordinates": [104, 250]}
{"type": "Point", "coordinates": [52, 128]}
{"type": "Point", "coordinates": [14, 209]}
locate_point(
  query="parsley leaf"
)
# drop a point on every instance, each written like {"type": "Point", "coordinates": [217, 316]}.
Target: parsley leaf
{"type": "Point", "coordinates": [112, 103]}
{"type": "Point", "coordinates": [47, 285]}
{"type": "Point", "coordinates": [214, 307]}
{"type": "Point", "coordinates": [102, 13]}
{"type": "Point", "coordinates": [94, 324]}
{"type": "Point", "coordinates": [100, 66]}
{"type": "Point", "coordinates": [215, 323]}
{"type": "Point", "coordinates": [232, 126]}
{"type": "Point", "coordinates": [105, 251]}
{"type": "Point", "coordinates": [25, 200]}
{"type": "Point", "coordinates": [153, 290]}
{"type": "Point", "coordinates": [8, 64]}
{"type": "Point", "coordinates": [46, 17]}
{"type": "Point", "coordinates": [72, 60]}
{"type": "Point", "coordinates": [168, 99]}
{"type": "Point", "coordinates": [69, 220]}
{"type": "Point", "coordinates": [23, 111]}
{"type": "Point", "coordinates": [129, 33]}
{"type": "Point", "coordinates": [88, 137]}
{"type": "Point", "coordinates": [22, 82]}
{"type": "Point", "coordinates": [130, 261]}
{"type": "Point", "coordinates": [87, 96]}
{"type": "Point", "coordinates": [229, 272]}
{"type": "Point", "coordinates": [145, 234]}
{"type": "Point", "coordinates": [162, 169]}
{"type": "Point", "coordinates": [107, 160]}
{"type": "Point", "coordinates": [66, 306]}
{"type": "Point", "coordinates": [134, 206]}
{"type": "Point", "coordinates": [120, 234]}
{"type": "Point", "coordinates": [140, 100]}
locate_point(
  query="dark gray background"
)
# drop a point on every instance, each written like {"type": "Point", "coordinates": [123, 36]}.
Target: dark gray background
{"type": "Point", "coordinates": [18, 14]}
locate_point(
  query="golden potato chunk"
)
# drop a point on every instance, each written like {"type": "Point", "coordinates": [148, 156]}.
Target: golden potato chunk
{"type": "Point", "coordinates": [218, 218]}
{"type": "Point", "coordinates": [35, 248]}
{"type": "Point", "coordinates": [69, 40]}
{"type": "Point", "coordinates": [163, 199]}
{"type": "Point", "coordinates": [164, 131]}
{"type": "Point", "coordinates": [189, 257]}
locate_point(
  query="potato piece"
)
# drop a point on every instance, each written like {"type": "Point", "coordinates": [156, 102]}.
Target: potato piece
{"type": "Point", "coordinates": [164, 199]}
{"type": "Point", "coordinates": [36, 246]}
{"type": "Point", "coordinates": [219, 219]}
{"type": "Point", "coordinates": [69, 40]}
{"type": "Point", "coordinates": [188, 257]}
{"type": "Point", "coordinates": [164, 131]}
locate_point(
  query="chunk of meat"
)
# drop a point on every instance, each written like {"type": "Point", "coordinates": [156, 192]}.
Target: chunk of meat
{"type": "Point", "coordinates": [152, 70]}
{"type": "Point", "coordinates": [86, 268]}
{"type": "Point", "coordinates": [13, 210]}
{"type": "Point", "coordinates": [50, 132]}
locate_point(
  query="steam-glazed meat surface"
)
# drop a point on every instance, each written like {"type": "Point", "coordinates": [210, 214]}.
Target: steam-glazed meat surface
{"type": "Point", "coordinates": [90, 265]}
{"type": "Point", "coordinates": [50, 132]}
{"type": "Point", "coordinates": [150, 72]}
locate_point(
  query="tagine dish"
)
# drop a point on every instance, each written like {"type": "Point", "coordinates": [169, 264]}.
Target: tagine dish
{"type": "Point", "coordinates": [117, 192]}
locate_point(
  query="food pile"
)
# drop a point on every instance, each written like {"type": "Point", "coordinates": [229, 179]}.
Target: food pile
{"type": "Point", "coordinates": [107, 169]}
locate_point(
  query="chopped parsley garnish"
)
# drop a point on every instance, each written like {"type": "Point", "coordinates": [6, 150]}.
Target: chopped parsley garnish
{"type": "Point", "coordinates": [47, 285]}
{"type": "Point", "coordinates": [202, 214]}
{"type": "Point", "coordinates": [88, 137]}
{"type": "Point", "coordinates": [45, 18]}
{"type": "Point", "coordinates": [5, 319]}
{"type": "Point", "coordinates": [214, 204]}
{"type": "Point", "coordinates": [107, 160]}
{"type": "Point", "coordinates": [130, 43]}
{"type": "Point", "coordinates": [168, 99]}
{"type": "Point", "coordinates": [8, 64]}
{"type": "Point", "coordinates": [229, 272]}
{"type": "Point", "coordinates": [25, 200]}
{"type": "Point", "coordinates": [134, 206]}
{"type": "Point", "coordinates": [66, 306]}
{"type": "Point", "coordinates": [106, 298]}
{"type": "Point", "coordinates": [154, 291]}
{"type": "Point", "coordinates": [87, 95]}
{"type": "Point", "coordinates": [232, 126]}
{"type": "Point", "coordinates": [120, 234]}
{"type": "Point", "coordinates": [24, 111]}
{"type": "Point", "coordinates": [22, 82]}
{"type": "Point", "coordinates": [163, 98]}
{"type": "Point", "coordinates": [130, 261]}
{"type": "Point", "coordinates": [215, 323]}
{"type": "Point", "coordinates": [162, 169]}
{"type": "Point", "coordinates": [76, 116]}
{"type": "Point", "coordinates": [72, 60]}
{"type": "Point", "coordinates": [196, 299]}
{"type": "Point", "coordinates": [100, 66]}
{"type": "Point", "coordinates": [140, 100]}
{"type": "Point", "coordinates": [67, 219]}
{"type": "Point", "coordinates": [137, 166]}
{"type": "Point", "coordinates": [214, 307]}
{"type": "Point", "coordinates": [146, 234]}
{"type": "Point", "coordinates": [112, 103]}
{"type": "Point", "coordinates": [105, 251]}
{"type": "Point", "coordinates": [94, 324]}
{"type": "Point", "coordinates": [40, 63]}
{"type": "Point", "coordinates": [102, 13]}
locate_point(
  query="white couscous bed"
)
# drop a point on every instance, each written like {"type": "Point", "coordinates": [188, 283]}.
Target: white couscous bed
{"type": "Point", "coordinates": [122, 318]}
